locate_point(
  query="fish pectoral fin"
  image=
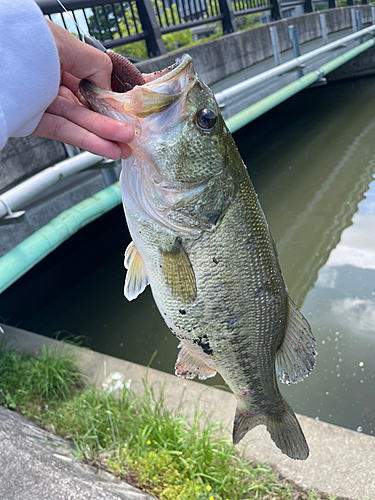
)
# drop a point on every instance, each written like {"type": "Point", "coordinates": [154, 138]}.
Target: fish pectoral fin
{"type": "Point", "coordinates": [284, 429]}
{"type": "Point", "coordinates": [179, 273]}
{"type": "Point", "coordinates": [136, 278]}
{"type": "Point", "coordinates": [189, 366]}
{"type": "Point", "coordinates": [296, 356]}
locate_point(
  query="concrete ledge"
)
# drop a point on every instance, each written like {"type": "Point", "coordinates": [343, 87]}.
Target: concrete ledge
{"type": "Point", "coordinates": [36, 465]}
{"type": "Point", "coordinates": [341, 462]}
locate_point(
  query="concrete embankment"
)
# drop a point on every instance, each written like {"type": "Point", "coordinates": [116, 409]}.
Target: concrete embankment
{"type": "Point", "coordinates": [341, 462]}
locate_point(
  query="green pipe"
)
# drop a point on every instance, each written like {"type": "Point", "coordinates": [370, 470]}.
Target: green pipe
{"type": "Point", "coordinates": [344, 58]}
{"type": "Point", "coordinates": [249, 114]}
{"type": "Point", "coordinates": [33, 249]}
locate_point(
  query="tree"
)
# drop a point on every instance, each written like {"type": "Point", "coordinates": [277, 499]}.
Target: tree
{"type": "Point", "coordinates": [100, 20]}
{"type": "Point", "coordinates": [122, 22]}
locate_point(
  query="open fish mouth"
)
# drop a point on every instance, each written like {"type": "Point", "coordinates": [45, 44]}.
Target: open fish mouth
{"type": "Point", "coordinates": [142, 94]}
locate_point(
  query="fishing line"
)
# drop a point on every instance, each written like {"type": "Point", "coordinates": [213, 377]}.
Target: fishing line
{"type": "Point", "coordinates": [90, 40]}
{"type": "Point", "coordinates": [71, 17]}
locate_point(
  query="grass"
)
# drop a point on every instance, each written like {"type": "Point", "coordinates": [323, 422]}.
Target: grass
{"type": "Point", "coordinates": [136, 438]}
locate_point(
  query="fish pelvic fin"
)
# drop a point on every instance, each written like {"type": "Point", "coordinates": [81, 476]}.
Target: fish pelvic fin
{"type": "Point", "coordinates": [190, 366]}
{"type": "Point", "coordinates": [284, 429]}
{"type": "Point", "coordinates": [136, 278]}
{"type": "Point", "coordinates": [296, 356]}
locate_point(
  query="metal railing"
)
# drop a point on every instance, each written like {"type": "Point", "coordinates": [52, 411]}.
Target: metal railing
{"type": "Point", "coordinates": [118, 23]}
{"type": "Point", "coordinates": [249, 6]}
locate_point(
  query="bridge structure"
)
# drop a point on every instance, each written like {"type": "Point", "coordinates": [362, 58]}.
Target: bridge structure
{"type": "Point", "coordinates": [118, 23]}
{"type": "Point", "coordinates": [250, 71]}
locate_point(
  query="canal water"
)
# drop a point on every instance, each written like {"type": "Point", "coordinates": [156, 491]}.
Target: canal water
{"type": "Point", "coordinates": [312, 162]}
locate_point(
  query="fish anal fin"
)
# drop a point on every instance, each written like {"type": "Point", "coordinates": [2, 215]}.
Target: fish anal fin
{"type": "Point", "coordinates": [190, 366]}
{"type": "Point", "coordinates": [178, 273]}
{"type": "Point", "coordinates": [296, 356]}
{"type": "Point", "coordinates": [284, 429]}
{"type": "Point", "coordinates": [136, 278]}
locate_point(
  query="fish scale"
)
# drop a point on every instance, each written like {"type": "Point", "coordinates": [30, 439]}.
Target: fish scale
{"type": "Point", "coordinates": [201, 241]}
{"type": "Point", "coordinates": [255, 341]}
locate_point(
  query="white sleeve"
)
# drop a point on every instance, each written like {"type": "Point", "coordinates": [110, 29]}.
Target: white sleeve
{"type": "Point", "coordinates": [29, 68]}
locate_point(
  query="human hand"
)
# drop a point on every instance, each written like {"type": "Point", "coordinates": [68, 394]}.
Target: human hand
{"type": "Point", "coordinates": [67, 119]}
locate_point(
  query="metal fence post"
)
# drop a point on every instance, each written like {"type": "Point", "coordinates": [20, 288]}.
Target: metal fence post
{"type": "Point", "coordinates": [364, 2]}
{"type": "Point", "coordinates": [359, 23]}
{"type": "Point", "coordinates": [308, 6]}
{"type": "Point", "coordinates": [349, 2]}
{"type": "Point", "coordinates": [229, 22]}
{"type": "Point", "coordinates": [293, 36]}
{"type": "Point", "coordinates": [151, 29]}
{"type": "Point", "coordinates": [275, 45]}
{"type": "Point", "coordinates": [358, 14]}
{"type": "Point", "coordinates": [332, 4]}
{"type": "Point", "coordinates": [323, 25]}
{"type": "Point", "coordinates": [275, 10]}
{"type": "Point", "coordinates": [354, 20]}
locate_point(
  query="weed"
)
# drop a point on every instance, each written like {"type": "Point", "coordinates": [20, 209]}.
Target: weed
{"type": "Point", "coordinates": [25, 380]}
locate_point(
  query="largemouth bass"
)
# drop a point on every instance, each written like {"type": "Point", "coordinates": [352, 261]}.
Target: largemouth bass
{"type": "Point", "coordinates": [201, 241]}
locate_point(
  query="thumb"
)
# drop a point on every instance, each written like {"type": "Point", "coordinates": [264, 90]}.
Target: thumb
{"type": "Point", "coordinates": [80, 59]}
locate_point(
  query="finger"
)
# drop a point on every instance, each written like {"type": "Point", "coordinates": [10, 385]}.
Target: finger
{"type": "Point", "coordinates": [100, 125]}
{"type": "Point", "coordinates": [60, 129]}
{"type": "Point", "coordinates": [68, 94]}
{"type": "Point", "coordinates": [81, 60]}
{"type": "Point", "coordinates": [126, 151]}
{"type": "Point", "coordinates": [70, 81]}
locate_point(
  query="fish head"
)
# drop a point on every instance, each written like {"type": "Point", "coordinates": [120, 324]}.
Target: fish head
{"type": "Point", "coordinates": [180, 147]}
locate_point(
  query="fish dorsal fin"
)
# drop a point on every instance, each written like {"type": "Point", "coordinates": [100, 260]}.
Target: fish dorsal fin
{"type": "Point", "coordinates": [296, 356]}
{"type": "Point", "coordinates": [179, 273]}
{"type": "Point", "coordinates": [190, 366]}
{"type": "Point", "coordinates": [136, 278]}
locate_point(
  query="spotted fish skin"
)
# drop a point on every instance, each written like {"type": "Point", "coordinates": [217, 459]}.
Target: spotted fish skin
{"type": "Point", "coordinates": [200, 239]}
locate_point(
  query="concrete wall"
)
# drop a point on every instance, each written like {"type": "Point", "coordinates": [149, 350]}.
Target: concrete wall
{"type": "Point", "coordinates": [362, 65]}
{"type": "Point", "coordinates": [25, 156]}
{"type": "Point", "coordinates": [220, 58]}
{"type": "Point", "coordinates": [50, 204]}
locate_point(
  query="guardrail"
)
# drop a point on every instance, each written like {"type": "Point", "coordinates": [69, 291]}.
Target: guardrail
{"type": "Point", "coordinates": [225, 96]}
{"type": "Point", "coordinates": [117, 23]}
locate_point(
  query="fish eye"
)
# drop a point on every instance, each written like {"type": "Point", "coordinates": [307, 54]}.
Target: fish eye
{"type": "Point", "coordinates": [206, 119]}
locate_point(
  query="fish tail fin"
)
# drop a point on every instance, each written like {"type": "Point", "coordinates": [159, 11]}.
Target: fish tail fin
{"type": "Point", "coordinates": [287, 434]}
{"type": "Point", "coordinates": [284, 429]}
{"type": "Point", "coordinates": [244, 422]}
